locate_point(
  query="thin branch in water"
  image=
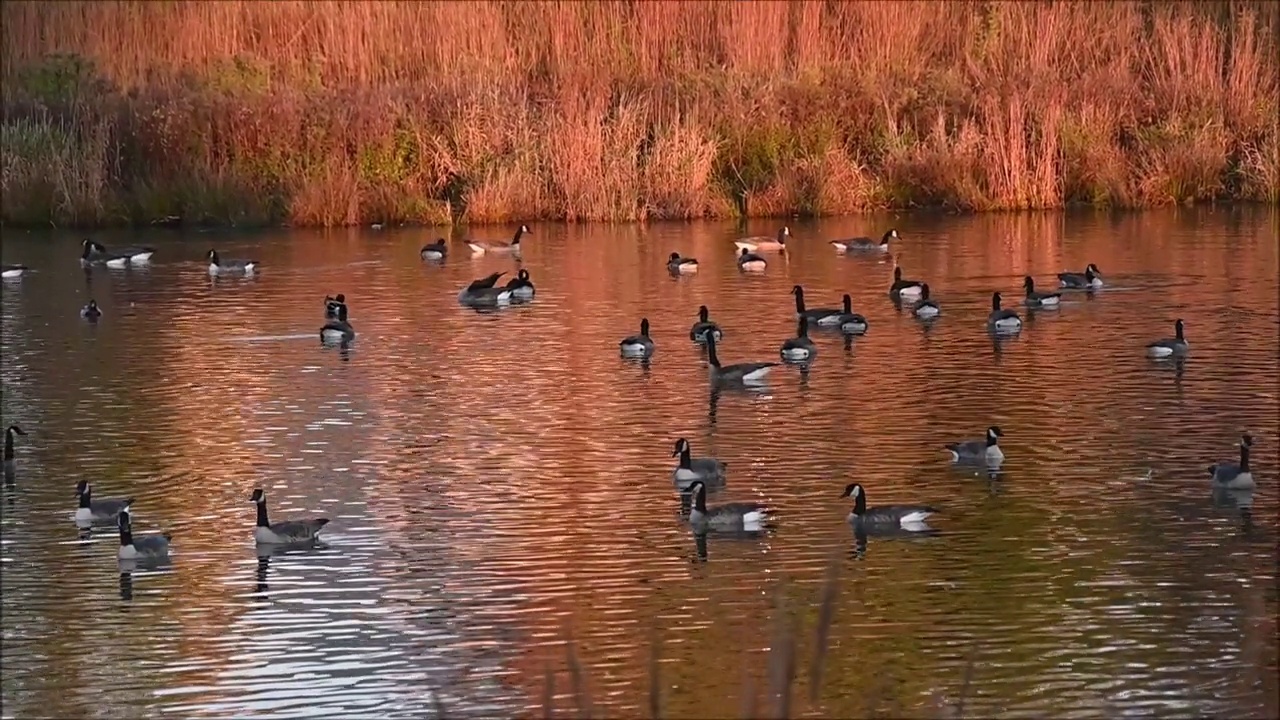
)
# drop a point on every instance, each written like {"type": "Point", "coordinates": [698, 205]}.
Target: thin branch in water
{"type": "Point", "coordinates": [822, 635]}
{"type": "Point", "coordinates": [577, 678]}
{"type": "Point", "coordinates": [966, 682]}
{"type": "Point", "coordinates": [655, 690]}
{"type": "Point", "coordinates": [548, 693]}
{"type": "Point", "coordinates": [782, 659]}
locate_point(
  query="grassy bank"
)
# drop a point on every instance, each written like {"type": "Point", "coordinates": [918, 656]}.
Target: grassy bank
{"type": "Point", "coordinates": [329, 114]}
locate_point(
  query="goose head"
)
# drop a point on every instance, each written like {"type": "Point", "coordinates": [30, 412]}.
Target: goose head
{"type": "Point", "coordinates": [213, 256]}
{"type": "Point", "coordinates": [703, 313]}
{"type": "Point", "coordinates": [1028, 284]}
{"type": "Point", "coordinates": [258, 497]}
{"type": "Point", "coordinates": [994, 432]}
{"type": "Point", "coordinates": [995, 301]}
{"type": "Point", "coordinates": [852, 490]}
{"type": "Point", "coordinates": [681, 446]}
{"type": "Point", "coordinates": [644, 327]}
{"type": "Point", "coordinates": [82, 487]}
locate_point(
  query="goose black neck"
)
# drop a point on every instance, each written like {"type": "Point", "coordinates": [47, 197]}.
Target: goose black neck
{"type": "Point", "coordinates": [884, 239]}
{"type": "Point", "coordinates": [995, 303]}
{"type": "Point", "coordinates": [1244, 458]}
{"type": "Point", "coordinates": [848, 305]}
{"type": "Point", "coordinates": [686, 458]}
{"type": "Point", "coordinates": [8, 444]}
{"type": "Point", "coordinates": [782, 235]}
{"type": "Point", "coordinates": [700, 499]}
{"type": "Point", "coordinates": [799, 300]}
{"type": "Point", "coordinates": [126, 535]}
{"type": "Point", "coordinates": [924, 292]}
{"type": "Point", "coordinates": [803, 328]}
{"type": "Point", "coordinates": [992, 439]}
{"type": "Point", "coordinates": [1177, 331]}
{"type": "Point", "coordinates": [703, 314]}
{"type": "Point", "coordinates": [860, 504]}
{"type": "Point", "coordinates": [262, 515]}
{"type": "Point", "coordinates": [516, 239]}
{"type": "Point", "coordinates": [85, 498]}
{"type": "Point", "coordinates": [711, 351]}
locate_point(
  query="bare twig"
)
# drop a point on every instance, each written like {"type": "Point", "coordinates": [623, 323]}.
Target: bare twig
{"type": "Point", "coordinates": [822, 634]}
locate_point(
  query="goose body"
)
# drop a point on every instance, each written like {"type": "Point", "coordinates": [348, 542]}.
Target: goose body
{"type": "Point", "coordinates": [703, 469]}
{"type": "Point", "coordinates": [483, 292]}
{"type": "Point", "coordinates": [499, 248]}
{"type": "Point", "coordinates": [286, 531]}
{"type": "Point", "coordinates": [750, 262]}
{"type": "Point", "coordinates": [1035, 299]}
{"type": "Point", "coordinates": [925, 308]}
{"type": "Point", "coordinates": [823, 317]}
{"type": "Point", "coordinates": [219, 266]}
{"type": "Point", "coordinates": [971, 451]}
{"type": "Point", "coordinates": [138, 547]}
{"type": "Point", "coordinates": [90, 256]}
{"type": "Point", "coordinates": [730, 517]}
{"type": "Point", "coordinates": [851, 323]}
{"type": "Point", "coordinates": [9, 272]}
{"type": "Point", "coordinates": [338, 329]}
{"type": "Point", "coordinates": [134, 255]}
{"type": "Point", "coordinates": [704, 328]}
{"type": "Point", "coordinates": [681, 265]}
{"type": "Point", "coordinates": [887, 517]}
{"type": "Point", "coordinates": [1169, 347]}
{"type": "Point", "coordinates": [520, 286]}
{"type": "Point", "coordinates": [10, 461]}
{"type": "Point", "coordinates": [100, 510]}
{"type": "Point", "coordinates": [1000, 320]}
{"type": "Point", "coordinates": [1235, 476]}
{"type": "Point", "coordinates": [91, 311]}
{"type": "Point", "coordinates": [904, 289]}
{"type": "Point", "coordinates": [743, 373]}
{"type": "Point", "coordinates": [762, 243]}
{"type": "Point", "coordinates": [865, 244]}
{"type": "Point", "coordinates": [1090, 279]}
{"type": "Point", "coordinates": [799, 348]}
{"type": "Point", "coordinates": [332, 304]}
{"type": "Point", "coordinates": [638, 346]}
{"type": "Point", "coordinates": [434, 251]}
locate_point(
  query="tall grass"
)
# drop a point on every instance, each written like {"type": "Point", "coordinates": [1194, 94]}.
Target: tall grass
{"type": "Point", "coordinates": [334, 113]}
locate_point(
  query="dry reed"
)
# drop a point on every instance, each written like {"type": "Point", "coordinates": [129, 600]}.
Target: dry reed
{"type": "Point", "coordinates": [317, 113]}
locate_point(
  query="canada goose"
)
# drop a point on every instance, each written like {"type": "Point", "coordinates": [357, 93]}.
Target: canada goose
{"type": "Point", "coordinates": [483, 292]}
{"type": "Point", "coordinates": [9, 463]}
{"type": "Point", "coordinates": [903, 289]}
{"type": "Point", "coordinates": [704, 328]}
{"type": "Point", "coordinates": [761, 243]}
{"type": "Point", "coordinates": [819, 316]}
{"type": "Point", "coordinates": [434, 251]}
{"type": "Point", "coordinates": [89, 256]}
{"type": "Point", "coordinates": [1091, 278]}
{"type": "Point", "coordinates": [988, 450]}
{"type": "Point", "coordinates": [135, 255]}
{"type": "Point", "coordinates": [520, 286]}
{"type": "Point", "coordinates": [498, 248]}
{"type": "Point", "coordinates": [681, 266]}
{"type": "Point", "coordinates": [1038, 299]}
{"type": "Point", "coordinates": [218, 266]}
{"type": "Point", "coordinates": [906, 517]}
{"type": "Point", "coordinates": [287, 531]}
{"type": "Point", "coordinates": [739, 516]}
{"type": "Point", "coordinates": [134, 547]}
{"type": "Point", "coordinates": [851, 323]}
{"type": "Point", "coordinates": [750, 262]}
{"type": "Point", "coordinates": [1231, 475]}
{"type": "Point", "coordinates": [331, 305]}
{"type": "Point", "coordinates": [1002, 321]}
{"type": "Point", "coordinates": [9, 272]}
{"type": "Point", "coordinates": [638, 346]}
{"type": "Point", "coordinates": [925, 307]}
{"type": "Point", "coordinates": [689, 469]}
{"type": "Point", "coordinates": [338, 329]}
{"type": "Point", "coordinates": [799, 347]}
{"type": "Point", "coordinates": [100, 510]}
{"type": "Point", "coordinates": [754, 372]}
{"type": "Point", "coordinates": [1177, 345]}
{"type": "Point", "coordinates": [91, 311]}
{"type": "Point", "coordinates": [865, 244]}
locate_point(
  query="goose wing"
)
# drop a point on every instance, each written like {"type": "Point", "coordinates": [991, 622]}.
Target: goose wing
{"type": "Point", "coordinates": [738, 371]}
{"type": "Point", "coordinates": [152, 544]}
{"type": "Point", "coordinates": [968, 448]}
{"type": "Point", "coordinates": [299, 529]}
{"type": "Point", "coordinates": [110, 506]}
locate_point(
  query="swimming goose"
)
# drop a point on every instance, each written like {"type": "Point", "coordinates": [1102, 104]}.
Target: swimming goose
{"type": "Point", "coordinates": [100, 510]}
{"type": "Point", "coordinates": [139, 255]}
{"type": "Point", "coordinates": [1002, 321]}
{"type": "Point", "coordinates": [738, 373]}
{"type": "Point", "coordinates": [218, 266]}
{"type": "Point", "coordinates": [483, 292]}
{"type": "Point", "coordinates": [750, 262]}
{"type": "Point", "coordinates": [925, 307]}
{"type": "Point", "coordinates": [682, 266]}
{"type": "Point", "coordinates": [689, 469]}
{"type": "Point", "coordinates": [88, 256]}
{"type": "Point", "coordinates": [1177, 345]}
{"type": "Point", "coordinates": [1091, 278]}
{"type": "Point", "coordinates": [91, 311]}
{"type": "Point", "coordinates": [864, 244]}
{"type": "Point", "coordinates": [987, 450]}
{"type": "Point", "coordinates": [704, 327]}
{"type": "Point", "coordinates": [287, 531]}
{"type": "Point", "coordinates": [133, 547]}
{"type": "Point", "coordinates": [434, 251]}
{"type": "Point", "coordinates": [9, 463]}
{"type": "Point", "coordinates": [820, 316]}
{"type": "Point", "coordinates": [903, 289]}
{"type": "Point", "coordinates": [1231, 475]}
{"type": "Point", "coordinates": [497, 248]}
{"type": "Point", "coordinates": [638, 346]}
{"type": "Point", "coordinates": [851, 323]}
{"type": "Point", "coordinates": [888, 517]}
{"type": "Point", "coordinates": [799, 347]}
{"type": "Point", "coordinates": [1038, 299]}
{"type": "Point", "coordinates": [12, 271]}
{"type": "Point", "coordinates": [338, 329]}
{"type": "Point", "coordinates": [761, 243]}
{"type": "Point", "coordinates": [331, 305]}
{"type": "Point", "coordinates": [520, 286]}
{"type": "Point", "coordinates": [739, 516]}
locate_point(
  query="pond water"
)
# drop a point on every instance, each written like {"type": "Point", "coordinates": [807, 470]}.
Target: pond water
{"type": "Point", "coordinates": [499, 482]}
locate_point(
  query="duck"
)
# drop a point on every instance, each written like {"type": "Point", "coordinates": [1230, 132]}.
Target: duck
{"type": "Point", "coordinates": [218, 266]}
{"type": "Point", "coordinates": [747, 373]}
{"type": "Point", "coordinates": [1002, 321]}
{"type": "Point", "coordinates": [498, 248]}
{"type": "Point", "coordinates": [851, 323]}
{"type": "Point", "coordinates": [137, 547]}
{"type": "Point", "coordinates": [89, 256]}
{"type": "Point", "coordinates": [925, 308]}
{"type": "Point", "coordinates": [690, 468]}
{"type": "Point", "coordinates": [100, 510]}
{"type": "Point", "coordinates": [91, 311]}
{"type": "Point", "coordinates": [762, 243]}
{"type": "Point", "coordinates": [139, 255]}
{"type": "Point", "coordinates": [865, 244]}
{"type": "Point", "coordinates": [818, 316]}
{"type": "Point", "coordinates": [1168, 347]}
{"type": "Point", "coordinates": [1234, 476]}
{"type": "Point", "coordinates": [331, 305]}
{"type": "Point", "coordinates": [732, 517]}
{"type": "Point", "coordinates": [704, 328]}
{"type": "Point", "coordinates": [521, 287]}
{"type": "Point", "coordinates": [988, 450]}
{"type": "Point", "coordinates": [886, 517]}
{"type": "Point", "coordinates": [638, 346]}
{"type": "Point", "coordinates": [1090, 279]}
{"type": "Point", "coordinates": [9, 272]}
{"type": "Point", "coordinates": [338, 329]}
{"type": "Point", "coordinates": [800, 347]}
{"type": "Point", "coordinates": [682, 265]}
{"type": "Point", "coordinates": [483, 292]}
{"type": "Point", "coordinates": [434, 251]}
{"type": "Point", "coordinates": [750, 262]}
{"type": "Point", "coordinates": [10, 464]}
{"type": "Point", "coordinates": [286, 531]}
{"type": "Point", "coordinates": [1038, 299]}
{"type": "Point", "coordinates": [903, 289]}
